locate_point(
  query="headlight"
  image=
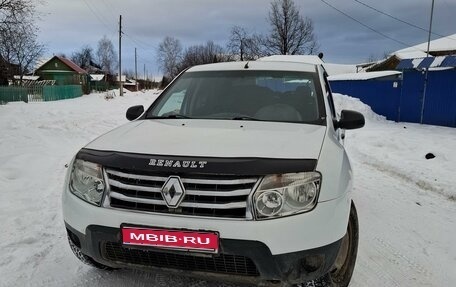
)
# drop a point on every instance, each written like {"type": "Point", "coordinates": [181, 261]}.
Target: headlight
{"type": "Point", "coordinates": [286, 194]}
{"type": "Point", "coordinates": [86, 181]}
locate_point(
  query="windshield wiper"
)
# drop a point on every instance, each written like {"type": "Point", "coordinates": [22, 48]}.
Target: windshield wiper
{"type": "Point", "coordinates": [172, 116]}
{"type": "Point", "coordinates": [244, 118]}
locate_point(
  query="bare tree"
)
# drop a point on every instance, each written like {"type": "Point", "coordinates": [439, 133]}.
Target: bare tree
{"type": "Point", "coordinates": [290, 33]}
{"type": "Point", "coordinates": [377, 57]}
{"type": "Point", "coordinates": [107, 57]}
{"type": "Point", "coordinates": [238, 40]}
{"type": "Point", "coordinates": [203, 54]}
{"type": "Point", "coordinates": [84, 57]}
{"type": "Point", "coordinates": [13, 11]}
{"type": "Point", "coordinates": [243, 45]}
{"type": "Point", "coordinates": [20, 46]}
{"type": "Point", "coordinates": [169, 56]}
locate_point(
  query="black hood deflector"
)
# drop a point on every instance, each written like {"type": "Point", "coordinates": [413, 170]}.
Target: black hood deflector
{"type": "Point", "coordinates": [149, 163]}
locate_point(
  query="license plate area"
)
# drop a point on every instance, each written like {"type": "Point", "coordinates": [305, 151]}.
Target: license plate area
{"type": "Point", "coordinates": [185, 240]}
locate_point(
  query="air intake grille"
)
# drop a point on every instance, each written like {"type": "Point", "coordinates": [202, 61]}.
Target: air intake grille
{"type": "Point", "coordinates": [213, 196]}
{"type": "Point", "coordinates": [222, 263]}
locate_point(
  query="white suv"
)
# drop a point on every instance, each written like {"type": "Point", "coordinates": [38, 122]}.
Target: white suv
{"type": "Point", "coordinates": [237, 172]}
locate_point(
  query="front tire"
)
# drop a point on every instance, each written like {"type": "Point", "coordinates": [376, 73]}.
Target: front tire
{"type": "Point", "coordinates": [344, 265]}
{"type": "Point", "coordinates": [342, 270]}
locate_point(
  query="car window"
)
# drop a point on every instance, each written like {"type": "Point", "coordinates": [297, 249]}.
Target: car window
{"type": "Point", "coordinates": [173, 104]}
{"type": "Point", "coordinates": [281, 96]}
{"type": "Point", "coordinates": [330, 98]}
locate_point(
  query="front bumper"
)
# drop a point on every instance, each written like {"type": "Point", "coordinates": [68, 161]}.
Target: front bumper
{"type": "Point", "coordinates": [239, 260]}
{"type": "Point", "coordinates": [324, 225]}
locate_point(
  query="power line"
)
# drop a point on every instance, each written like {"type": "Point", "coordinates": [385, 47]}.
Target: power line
{"type": "Point", "coordinates": [102, 20]}
{"type": "Point", "coordinates": [102, 16]}
{"type": "Point", "coordinates": [98, 17]}
{"type": "Point", "coordinates": [146, 61]}
{"type": "Point", "coordinates": [446, 4]}
{"type": "Point", "coordinates": [111, 9]}
{"type": "Point", "coordinates": [139, 43]}
{"type": "Point", "coordinates": [400, 20]}
{"type": "Point", "coordinates": [366, 26]}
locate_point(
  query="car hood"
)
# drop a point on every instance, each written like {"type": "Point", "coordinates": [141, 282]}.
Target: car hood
{"type": "Point", "coordinates": [214, 138]}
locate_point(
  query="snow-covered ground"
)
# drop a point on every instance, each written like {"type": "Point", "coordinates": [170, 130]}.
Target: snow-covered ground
{"type": "Point", "coordinates": [406, 204]}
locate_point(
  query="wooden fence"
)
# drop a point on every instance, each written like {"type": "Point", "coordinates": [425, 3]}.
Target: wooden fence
{"type": "Point", "coordinates": [39, 93]}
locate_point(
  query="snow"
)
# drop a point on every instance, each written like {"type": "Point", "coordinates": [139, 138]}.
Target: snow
{"type": "Point", "coordinates": [123, 78]}
{"type": "Point", "coordinates": [337, 69]}
{"type": "Point", "coordinates": [416, 62]}
{"type": "Point", "coordinates": [27, 78]}
{"type": "Point", "coordinates": [435, 65]}
{"type": "Point", "coordinates": [447, 43]}
{"type": "Point", "coordinates": [97, 77]}
{"type": "Point", "coordinates": [406, 204]}
{"type": "Point", "coordinates": [438, 61]}
{"type": "Point", "coordinates": [363, 76]}
{"type": "Point", "coordinates": [409, 53]}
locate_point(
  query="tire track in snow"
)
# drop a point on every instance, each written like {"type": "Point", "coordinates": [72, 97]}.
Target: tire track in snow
{"type": "Point", "coordinates": [400, 259]}
{"type": "Point", "coordinates": [396, 260]}
{"type": "Point", "coordinates": [394, 172]}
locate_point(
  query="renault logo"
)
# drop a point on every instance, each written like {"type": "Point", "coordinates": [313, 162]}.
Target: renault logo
{"type": "Point", "coordinates": [173, 191]}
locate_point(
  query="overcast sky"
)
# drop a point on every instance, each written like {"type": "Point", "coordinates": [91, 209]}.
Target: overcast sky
{"type": "Point", "coordinates": [67, 25]}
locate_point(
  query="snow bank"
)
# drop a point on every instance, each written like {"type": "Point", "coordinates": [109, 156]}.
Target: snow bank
{"type": "Point", "coordinates": [36, 141]}
{"type": "Point", "coordinates": [344, 102]}
{"type": "Point", "coordinates": [400, 149]}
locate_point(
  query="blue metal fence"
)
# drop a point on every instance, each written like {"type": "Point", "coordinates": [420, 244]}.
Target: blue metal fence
{"type": "Point", "coordinates": [404, 102]}
{"type": "Point", "coordinates": [410, 102]}
{"type": "Point", "coordinates": [440, 102]}
{"type": "Point", "coordinates": [382, 96]}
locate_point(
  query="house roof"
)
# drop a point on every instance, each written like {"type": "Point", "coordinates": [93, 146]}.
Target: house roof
{"type": "Point", "coordinates": [363, 76]}
{"type": "Point", "coordinates": [337, 69]}
{"type": "Point", "coordinates": [429, 62]}
{"type": "Point", "coordinates": [438, 45]}
{"type": "Point", "coordinates": [72, 65]}
{"type": "Point", "coordinates": [67, 62]}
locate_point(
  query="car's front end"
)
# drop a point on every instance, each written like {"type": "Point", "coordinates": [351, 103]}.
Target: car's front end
{"type": "Point", "coordinates": [265, 202]}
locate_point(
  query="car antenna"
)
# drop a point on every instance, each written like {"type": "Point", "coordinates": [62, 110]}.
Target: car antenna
{"type": "Point", "coordinates": [246, 65]}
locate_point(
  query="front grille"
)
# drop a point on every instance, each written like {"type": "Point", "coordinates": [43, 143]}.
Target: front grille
{"type": "Point", "coordinates": [222, 263]}
{"type": "Point", "coordinates": [210, 195]}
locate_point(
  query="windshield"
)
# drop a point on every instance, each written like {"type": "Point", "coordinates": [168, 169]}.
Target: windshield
{"type": "Point", "coordinates": [279, 96]}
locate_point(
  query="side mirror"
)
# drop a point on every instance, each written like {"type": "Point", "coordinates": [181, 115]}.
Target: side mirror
{"type": "Point", "coordinates": [134, 112]}
{"type": "Point", "coordinates": [350, 120]}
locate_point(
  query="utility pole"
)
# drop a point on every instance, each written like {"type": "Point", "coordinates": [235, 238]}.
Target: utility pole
{"type": "Point", "coordinates": [426, 74]}
{"type": "Point", "coordinates": [120, 56]}
{"type": "Point", "coordinates": [136, 70]}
